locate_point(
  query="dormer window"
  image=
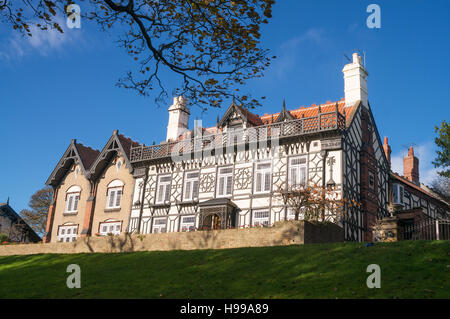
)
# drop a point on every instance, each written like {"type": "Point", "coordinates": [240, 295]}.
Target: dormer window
{"type": "Point", "coordinates": [114, 194]}
{"type": "Point", "coordinates": [72, 199]}
{"type": "Point", "coordinates": [398, 192]}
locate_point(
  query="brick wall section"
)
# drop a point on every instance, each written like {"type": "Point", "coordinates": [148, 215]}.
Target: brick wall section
{"type": "Point", "coordinates": [283, 233]}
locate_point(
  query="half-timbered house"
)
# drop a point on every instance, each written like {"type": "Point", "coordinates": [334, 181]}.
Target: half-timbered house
{"type": "Point", "coordinates": [229, 174]}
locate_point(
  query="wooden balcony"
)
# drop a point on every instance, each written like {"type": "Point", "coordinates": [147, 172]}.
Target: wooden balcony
{"type": "Point", "coordinates": [321, 123]}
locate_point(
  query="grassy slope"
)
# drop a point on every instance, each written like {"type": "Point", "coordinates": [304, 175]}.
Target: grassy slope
{"type": "Point", "coordinates": [408, 270]}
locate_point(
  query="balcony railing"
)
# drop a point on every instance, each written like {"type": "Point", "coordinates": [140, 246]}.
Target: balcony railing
{"type": "Point", "coordinates": [322, 122]}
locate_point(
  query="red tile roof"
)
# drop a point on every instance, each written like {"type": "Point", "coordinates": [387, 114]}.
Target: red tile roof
{"type": "Point", "coordinates": [298, 113]}
{"type": "Point", "coordinates": [313, 110]}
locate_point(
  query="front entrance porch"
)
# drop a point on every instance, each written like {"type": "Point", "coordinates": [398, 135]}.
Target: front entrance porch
{"type": "Point", "coordinates": [219, 213]}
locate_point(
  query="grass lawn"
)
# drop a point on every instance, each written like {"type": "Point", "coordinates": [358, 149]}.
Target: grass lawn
{"type": "Point", "coordinates": [409, 269]}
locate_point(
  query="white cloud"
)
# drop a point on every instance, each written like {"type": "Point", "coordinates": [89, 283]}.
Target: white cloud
{"type": "Point", "coordinates": [41, 42]}
{"type": "Point", "coordinates": [425, 153]}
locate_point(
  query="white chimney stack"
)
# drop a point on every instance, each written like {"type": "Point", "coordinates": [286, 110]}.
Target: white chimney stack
{"type": "Point", "coordinates": [355, 82]}
{"type": "Point", "coordinates": [178, 118]}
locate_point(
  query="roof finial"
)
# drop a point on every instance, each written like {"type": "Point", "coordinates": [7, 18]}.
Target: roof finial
{"type": "Point", "coordinates": [7, 201]}
{"type": "Point", "coordinates": [284, 105]}
{"type": "Point", "coordinates": [217, 122]}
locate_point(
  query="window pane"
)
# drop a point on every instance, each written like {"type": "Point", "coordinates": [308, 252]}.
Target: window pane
{"type": "Point", "coordinates": [167, 192]}
{"type": "Point", "coordinates": [195, 189]}
{"type": "Point", "coordinates": [118, 198]}
{"type": "Point", "coordinates": [258, 181]}
{"type": "Point", "coordinates": [69, 205]}
{"type": "Point", "coordinates": [187, 191]}
{"type": "Point", "coordinates": [267, 181]}
{"type": "Point", "coordinates": [160, 193]}
{"type": "Point", "coordinates": [75, 205]}
{"type": "Point", "coordinates": [229, 184]}
{"type": "Point", "coordinates": [111, 198]}
{"type": "Point", "coordinates": [221, 185]}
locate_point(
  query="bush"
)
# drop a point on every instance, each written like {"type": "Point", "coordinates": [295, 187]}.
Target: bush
{"type": "Point", "coordinates": [3, 238]}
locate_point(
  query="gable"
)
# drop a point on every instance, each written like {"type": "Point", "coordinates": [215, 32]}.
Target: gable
{"type": "Point", "coordinates": [75, 154]}
{"type": "Point", "coordinates": [117, 146]}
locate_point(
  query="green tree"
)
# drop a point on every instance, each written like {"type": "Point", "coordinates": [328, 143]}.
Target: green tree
{"type": "Point", "coordinates": [36, 216]}
{"type": "Point", "coordinates": [443, 153]}
{"type": "Point", "coordinates": [213, 46]}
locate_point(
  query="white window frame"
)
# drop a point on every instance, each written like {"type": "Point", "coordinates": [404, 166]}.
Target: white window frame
{"type": "Point", "coordinates": [67, 233]}
{"type": "Point", "coordinates": [158, 227]}
{"type": "Point", "coordinates": [115, 225]}
{"type": "Point", "coordinates": [295, 171]}
{"type": "Point", "coordinates": [400, 190]}
{"type": "Point", "coordinates": [259, 217]}
{"type": "Point", "coordinates": [227, 178]}
{"type": "Point", "coordinates": [114, 197]}
{"type": "Point", "coordinates": [72, 202]}
{"type": "Point", "coordinates": [186, 226]}
{"type": "Point", "coordinates": [191, 184]}
{"type": "Point", "coordinates": [263, 175]}
{"type": "Point", "coordinates": [163, 186]}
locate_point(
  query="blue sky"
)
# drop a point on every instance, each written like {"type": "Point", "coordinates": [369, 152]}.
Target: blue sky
{"type": "Point", "coordinates": [55, 88]}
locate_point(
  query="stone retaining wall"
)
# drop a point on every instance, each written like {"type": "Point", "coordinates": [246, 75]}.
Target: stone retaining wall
{"type": "Point", "coordinates": [283, 233]}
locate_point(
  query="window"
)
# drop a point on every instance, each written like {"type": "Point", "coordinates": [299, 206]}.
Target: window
{"type": "Point", "coordinates": [159, 225]}
{"type": "Point", "coordinates": [163, 191]}
{"type": "Point", "coordinates": [263, 176]}
{"type": "Point", "coordinates": [291, 214]}
{"type": "Point", "coordinates": [297, 171]}
{"type": "Point", "coordinates": [225, 182]}
{"type": "Point", "coordinates": [260, 218]}
{"type": "Point", "coordinates": [114, 196]}
{"type": "Point", "coordinates": [187, 223]}
{"type": "Point", "coordinates": [398, 193]}
{"type": "Point", "coordinates": [110, 227]}
{"type": "Point", "coordinates": [67, 233]}
{"type": "Point", "coordinates": [72, 199]}
{"type": "Point", "coordinates": [191, 186]}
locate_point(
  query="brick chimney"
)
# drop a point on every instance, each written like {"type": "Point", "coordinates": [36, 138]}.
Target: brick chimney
{"type": "Point", "coordinates": [411, 167]}
{"type": "Point", "coordinates": [387, 150]}
{"type": "Point", "coordinates": [355, 82]}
